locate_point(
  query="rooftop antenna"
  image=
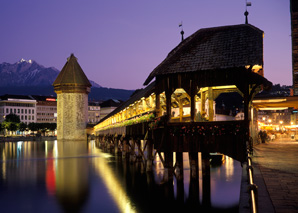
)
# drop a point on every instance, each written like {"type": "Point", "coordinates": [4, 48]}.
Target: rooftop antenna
{"type": "Point", "coordinates": [182, 32]}
{"type": "Point", "coordinates": [247, 4]}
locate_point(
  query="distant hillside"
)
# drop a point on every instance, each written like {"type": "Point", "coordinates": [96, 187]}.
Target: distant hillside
{"type": "Point", "coordinates": [30, 78]}
{"type": "Point", "coordinates": [101, 93]}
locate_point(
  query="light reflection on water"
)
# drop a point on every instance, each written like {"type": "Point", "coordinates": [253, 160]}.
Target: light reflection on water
{"type": "Point", "coordinates": [61, 176]}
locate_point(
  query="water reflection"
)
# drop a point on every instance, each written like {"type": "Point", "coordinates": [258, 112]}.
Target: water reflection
{"type": "Point", "coordinates": [56, 176]}
{"type": "Point", "coordinates": [71, 172]}
{"type": "Point", "coordinates": [106, 173]}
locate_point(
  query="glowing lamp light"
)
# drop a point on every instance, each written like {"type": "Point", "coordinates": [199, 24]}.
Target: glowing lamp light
{"type": "Point", "coordinates": [51, 99]}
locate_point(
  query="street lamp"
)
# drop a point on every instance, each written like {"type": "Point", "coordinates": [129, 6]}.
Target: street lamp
{"type": "Point", "coordinates": [281, 122]}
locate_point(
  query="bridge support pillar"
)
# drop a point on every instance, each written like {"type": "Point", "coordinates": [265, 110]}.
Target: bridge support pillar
{"type": "Point", "coordinates": [116, 148]}
{"type": "Point", "coordinates": [168, 165]}
{"type": "Point", "coordinates": [206, 179]}
{"type": "Point", "coordinates": [132, 157]}
{"type": "Point", "coordinates": [180, 191]}
{"type": "Point", "coordinates": [179, 165]}
{"type": "Point", "coordinates": [193, 164]}
{"type": "Point", "coordinates": [194, 192]}
{"type": "Point", "coordinates": [125, 149]}
{"type": "Point", "coordinates": [139, 156]}
{"type": "Point", "coordinates": [149, 156]}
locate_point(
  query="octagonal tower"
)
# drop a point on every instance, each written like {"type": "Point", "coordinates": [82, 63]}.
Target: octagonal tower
{"type": "Point", "coordinates": [72, 88]}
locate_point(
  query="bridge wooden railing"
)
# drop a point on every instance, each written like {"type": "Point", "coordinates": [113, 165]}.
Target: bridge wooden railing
{"type": "Point", "coordinates": [226, 137]}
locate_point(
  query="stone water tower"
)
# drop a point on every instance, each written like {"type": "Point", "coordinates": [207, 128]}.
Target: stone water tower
{"type": "Point", "coordinates": [72, 88]}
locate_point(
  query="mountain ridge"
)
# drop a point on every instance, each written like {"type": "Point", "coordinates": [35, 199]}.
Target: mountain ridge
{"type": "Point", "coordinates": [24, 73]}
{"type": "Point", "coordinates": [30, 78]}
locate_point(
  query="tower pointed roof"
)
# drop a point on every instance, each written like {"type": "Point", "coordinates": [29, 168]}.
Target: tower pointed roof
{"type": "Point", "coordinates": [72, 74]}
{"type": "Point", "coordinates": [72, 78]}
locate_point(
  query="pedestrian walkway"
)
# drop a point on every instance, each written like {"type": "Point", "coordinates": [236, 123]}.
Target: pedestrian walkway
{"type": "Point", "coordinates": [276, 174]}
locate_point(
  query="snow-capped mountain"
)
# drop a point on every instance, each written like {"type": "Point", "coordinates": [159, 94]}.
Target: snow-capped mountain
{"type": "Point", "coordinates": [28, 73]}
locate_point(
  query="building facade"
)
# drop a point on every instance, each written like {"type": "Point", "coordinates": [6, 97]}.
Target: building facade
{"type": "Point", "coordinates": [93, 112]}
{"type": "Point", "coordinates": [22, 105]}
{"type": "Point", "coordinates": [46, 109]}
{"type": "Point", "coordinates": [108, 106]}
{"type": "Point", "coordinates": [294, 29]}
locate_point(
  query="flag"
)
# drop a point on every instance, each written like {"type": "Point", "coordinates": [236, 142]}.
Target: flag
{"type": "Point", "coordinates": [248, 4]}
{"type": "Point", "coordinates": [180, 25]}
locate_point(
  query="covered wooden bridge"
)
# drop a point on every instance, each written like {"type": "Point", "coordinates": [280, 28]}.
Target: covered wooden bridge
{"type": "Point", "coordinates": [176, 112]}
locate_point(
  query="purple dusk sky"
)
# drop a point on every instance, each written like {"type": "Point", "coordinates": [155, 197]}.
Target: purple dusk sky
{"type": "Point", "coordinates": [119, 42]}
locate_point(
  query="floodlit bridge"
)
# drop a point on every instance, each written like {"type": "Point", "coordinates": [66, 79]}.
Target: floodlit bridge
{"type": "Point", "coordinates": [175, 113]}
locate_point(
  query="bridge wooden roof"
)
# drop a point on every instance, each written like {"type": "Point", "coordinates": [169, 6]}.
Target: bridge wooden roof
{"type": "Point", "coordinates": [137, 96]}
{"type": "Point", "coordinates": [214, 49]}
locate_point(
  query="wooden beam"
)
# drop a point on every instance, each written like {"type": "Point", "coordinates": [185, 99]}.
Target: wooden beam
{"type": "Point", "coordinates": [157, 104]}
{"type": "Point", "coordinates": [210, 104]}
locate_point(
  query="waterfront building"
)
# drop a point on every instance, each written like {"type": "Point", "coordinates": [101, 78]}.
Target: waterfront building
{"type": "Point", "coordinates": [93, 112]}
{"type": "Point", "coordinates": [294, 36]}
{"type": "Point", "coordinates": [46, 109]}
{"type": "Point", "coordinates": [22, 105]}
{"type": "Point", "coordinates": [72, 88]}
{"type": "Point", "coordinates": [108, 106]}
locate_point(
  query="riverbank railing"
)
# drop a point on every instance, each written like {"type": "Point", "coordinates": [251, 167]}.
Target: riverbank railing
{"type": "Point", "coordinates": [252, 187]}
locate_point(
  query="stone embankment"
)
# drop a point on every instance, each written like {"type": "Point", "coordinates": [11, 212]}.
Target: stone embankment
{"type": "Point", "coordinates": [26, 138]}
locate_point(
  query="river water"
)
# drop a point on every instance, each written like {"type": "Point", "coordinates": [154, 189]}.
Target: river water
{"type": "Point", "coordinates": [56, 176]}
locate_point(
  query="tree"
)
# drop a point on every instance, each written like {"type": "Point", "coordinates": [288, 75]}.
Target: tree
{"type": "Point", "coordinates": [12, 126]}
{"type": "Point", "coordinates": [33, 127]}
{"type": "Point", "coordinates": [52, 126]}
{"type": "Point", "coordinates": [1, 127]}
{"type": "Point", "coordinates": [42, 127]}
{"type": "Point", "coordinates": [5, 126]}
{"type": "Point", "coordinates": [12, 118]}
{"type": "Point", "coordinates": [23, 127]}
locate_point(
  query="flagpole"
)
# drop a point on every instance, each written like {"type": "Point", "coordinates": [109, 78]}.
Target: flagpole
{"type": "Point", "coordinates": [182, 32]}
{"type": "Point", "coordinates": [247, 4]}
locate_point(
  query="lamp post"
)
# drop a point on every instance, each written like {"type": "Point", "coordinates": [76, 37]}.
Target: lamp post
{"type": "Point", "coordinates": [281, 122]}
